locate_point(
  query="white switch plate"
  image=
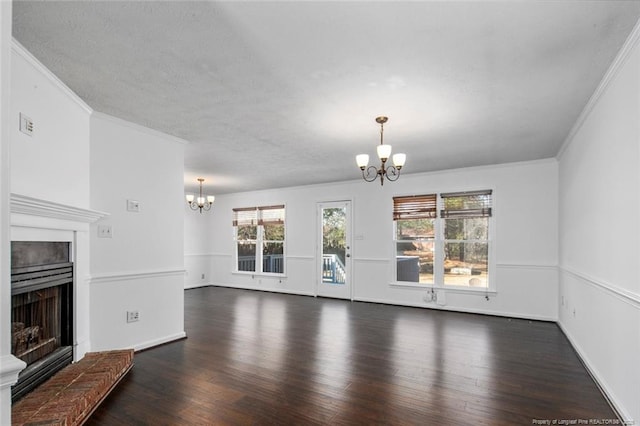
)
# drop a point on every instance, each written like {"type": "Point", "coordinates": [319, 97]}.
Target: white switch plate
{"type": "Point", "coordinates": [133, 206]}
{"type": "Point", "coordinates": [105, 231]}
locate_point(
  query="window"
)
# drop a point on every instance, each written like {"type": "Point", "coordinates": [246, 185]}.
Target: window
{"type": "Point", "coordinates": [260, 236]}
{"type": "Point", "coordinates": [446, 249]}
{"type": "Point", "coordinates": [466, 238]}
{"type": "Point", "coordinates": [415, 218]}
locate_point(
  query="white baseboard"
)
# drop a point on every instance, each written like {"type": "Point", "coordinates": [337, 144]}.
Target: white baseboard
{"type": "Point", "coordinates": [457, 309]}
{"type": "Point", "coordinates": [597, 378]}
{"type": "Point", "coordinates": [156, 342]}
{"type": "Point", "coordinates": [269, 289]}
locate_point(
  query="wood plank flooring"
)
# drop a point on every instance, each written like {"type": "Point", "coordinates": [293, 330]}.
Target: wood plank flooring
{"type": "Point", "coordinates": [263, 358]}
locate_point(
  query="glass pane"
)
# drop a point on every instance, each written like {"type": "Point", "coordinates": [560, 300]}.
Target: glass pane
{"type": "Point", "coordinates": [247, 232]}
{"type": "Point", "coordinates": [247, 256]}
{"type": "Point", "coordinates": [274, 231]}
{"type": "Point", "coordinates": [466, 264]}
{"type": "Point", "coordinates": [467, 202]}
{"type": "Point", "coordinates": [413, 229]}
{"type": "Point", "coordinates": [273, 257]}
{"type": "Point", "coordinates": [466, 228]}
{"type": "Point", "coordinates": [414, 261]}
{"type": "Point", "coordinates": [334, 245]}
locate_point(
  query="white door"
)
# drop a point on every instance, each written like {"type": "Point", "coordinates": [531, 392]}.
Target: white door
{"type": "Point", "coordinates": [334, 249]}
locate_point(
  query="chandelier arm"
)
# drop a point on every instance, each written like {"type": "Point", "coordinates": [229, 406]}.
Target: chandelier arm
{"type": "Point", "coordinates": [392, 173]}
{"type": "Point", "coordinates": [193, 205]}
{"type": "Point", "coordinates": [371, 173]}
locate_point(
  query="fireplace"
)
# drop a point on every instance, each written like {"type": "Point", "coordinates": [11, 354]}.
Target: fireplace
{"type": "Point", "coordinates": [41, 310]}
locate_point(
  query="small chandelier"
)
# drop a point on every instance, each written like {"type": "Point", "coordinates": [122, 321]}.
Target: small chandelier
{"type": "Point", "coordinates": [371, 173]}
{"type": "Point", "coordinates": [200, 203]}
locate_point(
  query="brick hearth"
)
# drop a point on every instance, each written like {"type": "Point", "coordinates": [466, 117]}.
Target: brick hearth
{"type": "Point", "coordinates": [71, 395]}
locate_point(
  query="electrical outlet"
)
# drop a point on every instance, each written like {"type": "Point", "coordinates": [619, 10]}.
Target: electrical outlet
{"type": "Point", "coordinates": [26, 125]}
{"type": "Point", "coordinates": [202, 277]}
{"type": "Point", "coordinates": [105, 231]}
{"type": "Point", "coordinates": [133, 316]}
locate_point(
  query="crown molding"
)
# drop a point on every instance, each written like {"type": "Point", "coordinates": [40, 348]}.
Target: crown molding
{"type": "Point", "coordinates": [619, 61]}
{"type": "Point", "coordinates": [35, 63]}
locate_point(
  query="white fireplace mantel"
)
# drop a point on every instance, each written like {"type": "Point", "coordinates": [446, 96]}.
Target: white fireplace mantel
{"type": "Point", "coordinates": [29, 206]}
{"type": "Point", "coordinates": [34, 219]}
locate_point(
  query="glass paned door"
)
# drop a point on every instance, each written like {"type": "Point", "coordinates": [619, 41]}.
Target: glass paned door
{"type": "Point", "coordinates": [334, 249]}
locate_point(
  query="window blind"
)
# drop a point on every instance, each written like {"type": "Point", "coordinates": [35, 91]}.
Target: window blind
{"type": "Point", "coordinates": [245, 216]}
{"type": "Point", "coordinates": [466, 204]}
{"type": "Point", "coordinates": [271, 215]}
{"type": "Point", "coordinates": [415, 207]}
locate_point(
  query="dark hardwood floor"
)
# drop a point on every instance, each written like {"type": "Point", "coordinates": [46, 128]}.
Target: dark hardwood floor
{"type": "Point", "coordinates": [263, 358]}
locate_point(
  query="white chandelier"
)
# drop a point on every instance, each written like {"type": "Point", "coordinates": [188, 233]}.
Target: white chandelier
{"type": "Point", "coordinates": [200, 203]}
{"type": "Point", "coordinates": [371, 173]}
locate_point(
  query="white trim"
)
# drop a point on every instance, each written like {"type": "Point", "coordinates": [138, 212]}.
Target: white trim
{"type": "Point", "coordinates": [477, 291]}
{"type": "Point", "coordinates": [10, 367]}
{"type": "Point", "coordinates": [137, 127]}
{"type": "Point", "coordinates": [197, 285]}
{"type": "Point", "coordinates": [328, 185]}
{"type": "Point", "coordinates": [413, 285]}
{"type": "Point", "coordinates": [371, 259]}
{"type": "Point", "coordinates": [260, 274]}
{"type": "Point", "coordinates": [267, 289]}
{"type": "Point", "coordinates": [208, 255]}
{"type": "Point", "coordinates": [619, 61]}
{"type": "Point", "coordinates": [526, 266]}
{"type": "Point", "coordinates": [301, 257]}
{"type": "Point", "coordinates": [457, 309]}
{"type": "Point", "coordinates": [593, 372]}
{"type": "Point", "coordinates": [21, 204]}
{"type": "Point", "coordinates": [156, 342]}
{"type": "Point", "coordinates": [34, 62]}
{"type": "Point", "coordinates": [626, 296]}
{"type": "Point", "coordinates": [138, 275]}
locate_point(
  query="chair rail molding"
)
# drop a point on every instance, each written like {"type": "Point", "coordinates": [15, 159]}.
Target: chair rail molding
{"type": "Point", "coordinates": [624, 295]}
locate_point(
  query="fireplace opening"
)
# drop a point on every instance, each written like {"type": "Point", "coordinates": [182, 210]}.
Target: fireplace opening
{"type": "Point", "coordinates": [41, 311]}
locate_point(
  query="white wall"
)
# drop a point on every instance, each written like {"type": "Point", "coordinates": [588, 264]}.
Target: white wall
{"type": "Point", "coordinates": [525, 239]}
{"type": "Point", "coordinates": [599, 232]}
{"type": "Point", "coordinates": [53, 164]}
{"type": "Point", "coordinates": [141, 267]}
{"type": "Point", "coordinates": [198, 233]}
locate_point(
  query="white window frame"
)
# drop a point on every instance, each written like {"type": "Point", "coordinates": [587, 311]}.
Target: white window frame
{"type": "Point", "coordinates": [439, 255]}
{"type": "Point", "coordinates": [259, 242]}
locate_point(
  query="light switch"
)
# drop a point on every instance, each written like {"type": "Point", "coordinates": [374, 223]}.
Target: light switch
{"type": "Point", "coordinates": [105, 231]}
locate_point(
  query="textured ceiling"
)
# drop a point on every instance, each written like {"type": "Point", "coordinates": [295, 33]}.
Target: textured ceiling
{"type": "Point", "coordinates": [274, 94]}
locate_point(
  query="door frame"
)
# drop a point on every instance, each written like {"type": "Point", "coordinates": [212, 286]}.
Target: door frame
{"type": "Point", "coordinates": [320, 205]}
